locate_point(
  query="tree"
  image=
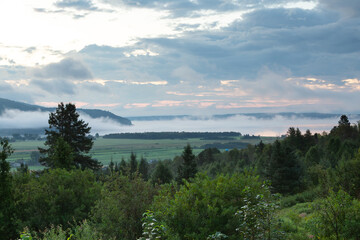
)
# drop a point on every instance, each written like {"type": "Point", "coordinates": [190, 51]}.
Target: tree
{"type": "Point", "coordinates": [133, 164]}
{"type": "Point", "coordinates": [336, 217]}
{"type": "Point", "coordinates": [284, 169]}
{"type": "Point", "coordinates": [62, 155]}
{"type": "Point", "coordinates": [65, 123]}
{"type": "Point", "coordinates": [123, 167]}
{"type": "Point", "coordinates": [144, 168]}
{"type": "Point", "coordinates": [205, 205]}
{"type": "Point", "coordinates": [162, 174]}
{"type": "Point", "coordinates": [118, 212]}
{"type": "Point", "coordinates": [187, 169]}
{"type": "Point", "coordinates": [7, 228]}
{"type": "Point", "coordinates": [55, 197]}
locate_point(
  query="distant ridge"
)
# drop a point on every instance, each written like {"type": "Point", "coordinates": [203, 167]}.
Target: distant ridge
{"type": "Point", "coordinates": [94, 113]}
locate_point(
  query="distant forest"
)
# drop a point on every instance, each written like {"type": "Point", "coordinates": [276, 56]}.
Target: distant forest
{"type": "Point", "coordinates": [174, 135]}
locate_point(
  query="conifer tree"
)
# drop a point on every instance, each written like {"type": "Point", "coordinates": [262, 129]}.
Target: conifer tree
{"type": "Point", "coordinates": [123, 167]}
{"type": "Point", "coordinates": [188, 168]}
{"type": "Point", "coordinates": [144, 168]}
{"type": "Point", "coordinates": [65, 123]}
{"type": "Point", "coordinates": [133, 164]}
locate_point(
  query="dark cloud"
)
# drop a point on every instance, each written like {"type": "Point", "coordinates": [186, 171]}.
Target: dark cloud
{"type": "Point", "coordinates": [67, 68]}
{"type": "Point", "coordinates": [55, 86]}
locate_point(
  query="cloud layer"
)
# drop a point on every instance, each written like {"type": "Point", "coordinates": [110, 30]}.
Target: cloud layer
{"type": "Point", "coordinates": [198, 56]}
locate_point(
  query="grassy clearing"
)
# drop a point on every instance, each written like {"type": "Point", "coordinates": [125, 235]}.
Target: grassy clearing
{"type": "Point", "coordinates": [106, 149]}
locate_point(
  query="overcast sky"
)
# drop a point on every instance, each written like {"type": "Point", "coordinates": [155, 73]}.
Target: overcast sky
{"type": "Point", "coordinates": [182, 57]}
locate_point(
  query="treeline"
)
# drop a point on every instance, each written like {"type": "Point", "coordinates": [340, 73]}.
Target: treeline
{"type": "Point", "coordinates": [236, 194]}
{"type": "Point", "coordinates": [172, 135]}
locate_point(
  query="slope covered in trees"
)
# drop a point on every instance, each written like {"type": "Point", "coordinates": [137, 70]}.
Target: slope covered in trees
{"type": "Point", "coordinates": [305, 186]}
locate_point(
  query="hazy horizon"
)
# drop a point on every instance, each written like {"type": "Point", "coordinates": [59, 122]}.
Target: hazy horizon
{"type": "Point", "coordinates": [276, 126]}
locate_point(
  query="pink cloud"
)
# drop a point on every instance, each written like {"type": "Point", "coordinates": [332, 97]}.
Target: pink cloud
{"type": "Point", "coordinates": [106, 104]}
{"type": "Point", "coordinates": [136, 105]}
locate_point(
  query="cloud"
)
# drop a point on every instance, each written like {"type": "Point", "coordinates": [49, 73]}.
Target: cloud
{"type": "Point", "coordinates": [55, 86]}
{"type": "Point", "coordinates": [195, 8]}
{"type": "Point", "coordinates": [77, 4]}
{"type": "Point", "coordinates": [67, 68]}
{"type": "Point", "coordinates": [349, 8]}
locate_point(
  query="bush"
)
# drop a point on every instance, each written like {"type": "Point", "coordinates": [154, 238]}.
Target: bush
{"type": "Point", "coordinates": [205, 206]}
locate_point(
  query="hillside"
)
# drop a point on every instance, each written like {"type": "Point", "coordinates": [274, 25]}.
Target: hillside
{"type": "Point", "coordinates": [94, 113]}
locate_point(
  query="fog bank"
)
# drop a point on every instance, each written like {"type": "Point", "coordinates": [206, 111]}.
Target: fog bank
{"type": "Point", "coordinates": [243, 124]}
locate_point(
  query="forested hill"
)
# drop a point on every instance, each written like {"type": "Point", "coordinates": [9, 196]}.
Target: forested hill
{"type": "Point", "coordinates": [94, 113]}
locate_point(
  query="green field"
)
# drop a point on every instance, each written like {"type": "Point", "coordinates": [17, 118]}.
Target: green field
{"type": "Point", "coordinates": [106, 149]}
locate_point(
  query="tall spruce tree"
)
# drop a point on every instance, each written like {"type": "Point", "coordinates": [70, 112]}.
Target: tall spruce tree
{"type": "Point", "coordinates": [65, 124]}
{"type": "Point", "coordinates": [133, 164]}
{"type": "Point", "coordinates": [7, 227]}
{"type": "Point", "coordinates": [144, 168]}
{"type": "Point", "coordinates": [188, 168]}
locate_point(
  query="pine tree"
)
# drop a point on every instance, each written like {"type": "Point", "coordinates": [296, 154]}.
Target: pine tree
{"type": "Point", "coordinates": [65, 123]}
{"type": "Point", "coordinates": [187, 169]}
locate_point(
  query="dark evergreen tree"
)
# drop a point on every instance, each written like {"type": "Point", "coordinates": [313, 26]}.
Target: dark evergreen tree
{"type": "Point", "coordinates": [116, 168]}
{"type": "Point", "coordinates": [162, 174]}
{"type": "Point", "coordinates": [123, 167]}
{"type": "Point", "coordinates": [188, 167]}
{"type": "Point", "coordinates": [65, 123]}
{"type": "Point", "coordinates": [61, 155]}
{"type": "Point", "coordinates": [207, 156]}
{"type": "Point", "coordinates": [7, 223]}
{"type": "Point", "coordinates": [133, 164]}
{"type": "Point", "coordinates": [111, 166]}
{"type": "Point", "coordinates": [144, 168]}
{"type": "Point", "coordinates": [284, 169]}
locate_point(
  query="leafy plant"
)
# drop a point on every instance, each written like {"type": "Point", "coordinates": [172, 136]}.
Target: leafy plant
{"type": "Point", "coordinates": [152, 229]}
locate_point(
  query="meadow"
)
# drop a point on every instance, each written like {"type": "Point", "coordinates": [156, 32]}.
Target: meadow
{"type": "Point", "coordinates": [106, 149]}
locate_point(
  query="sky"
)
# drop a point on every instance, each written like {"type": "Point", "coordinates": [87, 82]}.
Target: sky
{"type": "Point", "coordinates": [171, 57]}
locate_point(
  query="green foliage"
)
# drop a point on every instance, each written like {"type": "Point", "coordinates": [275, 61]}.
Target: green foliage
{"type": "Point", "coordinates": [217, 236]}
{"type": "Point", "coordinates": [256, 216]}
{"type": "Point", "coordinates": [7, 224]}
{"type": "Point", "coordinates": [336, 217]}
{"type": "Point", "coordinates": [62, 155]}
{"type": "Point", "coordinates": [55, 197]}
{"type": "Point", "coordinates": [118, 212]}
{"type": "Point", "coordinates": [65, 124]}
{"type": "Point", "coordinates": [348, 175]}
{"type": "Point", "coordinates": [162, 174]}
{"type": "Point", "coordinates": [205, 206]}
{"type": "Point", "coordinates": [83, 231]}
{"type": "Point", "coordinates": [152, 229]}
{"type": "Point", "coordinates": [187, 169]}
{"type": "Point", "coordinates": [133, 163]}
{"type": "Point", "coordinates": [144, 169]}
{"type": "Point", "coordinates": [284, 170]}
